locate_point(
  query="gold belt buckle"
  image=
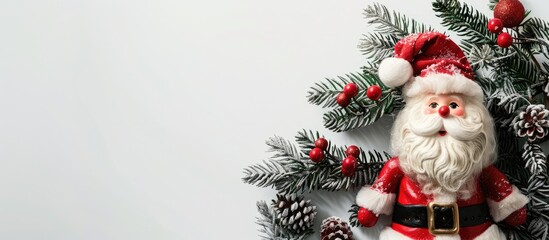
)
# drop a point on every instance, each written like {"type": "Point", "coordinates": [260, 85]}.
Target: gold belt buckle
{"type": "Point", "coordinates": [431, 218]}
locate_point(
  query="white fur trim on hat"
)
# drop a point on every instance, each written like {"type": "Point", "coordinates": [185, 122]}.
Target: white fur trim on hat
{"type": "Point", "coordinates": [500, 210]}
{"type": "Point", "coordinates": [395, 72]}
{"type": "Point", "coordinates": [376, 201]}
{"type": "Point", "coordinates": [441, 83]}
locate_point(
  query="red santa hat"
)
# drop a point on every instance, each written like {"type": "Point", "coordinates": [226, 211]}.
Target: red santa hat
{"type": "Point", "coordinates": [429, 63]}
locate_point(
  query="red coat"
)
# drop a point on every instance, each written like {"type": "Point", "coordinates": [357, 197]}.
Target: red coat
{"type": "Point", "coordinates": [492, 187]}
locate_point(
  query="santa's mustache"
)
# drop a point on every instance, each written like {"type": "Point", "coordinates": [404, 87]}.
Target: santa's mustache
{"type": "Point", "coordinates": [457, 127]}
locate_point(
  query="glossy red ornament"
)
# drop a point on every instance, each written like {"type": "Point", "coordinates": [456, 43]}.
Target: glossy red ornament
{"type": "Point", "coordinates": [511, 12]}
{"type": "Point", "coordinates": [505, 40]}
{"type": "Point", "coordinates": [353, 151]}
{"type": "Point", "coordinates": [366, 217]}
{"type": "Point", "coordinates": [348, 166]}
{"type": "Point", "coordinates": [316, 155]}
{"type": "Point", "coordinates": [350, 90]}
{"type": "Point", "coordinates": [321, 143]}
{"type": "Point", "coordinates": [374, 92]}
{"type": "Point", "coordinates": [495, 25]}
{"type": "Point", "coordinates": [343, 100]}
{"type": "Point", "coordinates": [444, 111]}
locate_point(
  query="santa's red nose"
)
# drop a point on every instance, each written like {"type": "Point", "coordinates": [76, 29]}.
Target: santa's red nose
{"type": "Point", "coordinates": [444, 111]}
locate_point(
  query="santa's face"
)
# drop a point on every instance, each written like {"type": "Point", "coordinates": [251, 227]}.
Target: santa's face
{"type": "Point", "coordinates": [445, 105]}
{"type": "Point", "coordinates": [444, 140]}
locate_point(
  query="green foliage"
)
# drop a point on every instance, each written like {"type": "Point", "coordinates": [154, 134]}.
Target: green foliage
{"type": "Point", "coordinates": [535, 28]}
{"type": "Point", "coordinates": [464, 20]}
{"type": "Point", "coordinates": [362, 111]}
{"type": "Point", "coordinates": [353, 218]}
{"type": "Point", "coordinates": [394, 24]}
{"type": "Point", "coordinates": [290, 170]}
{"type": "Point", "coordinates": [270, 228]}
{"type": "Point", "coordinates": [377, 46]}
{"type": "Point", "coordinates": [535, 159]}
{"type": "Point", "coordinates": [492, 4]}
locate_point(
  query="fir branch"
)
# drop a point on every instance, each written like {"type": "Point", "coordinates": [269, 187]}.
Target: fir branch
{"type": "Point", "coordinates": [395, 24]}
{"type": "Point", "coordinates": [480, 55]}
{"type": "Point", "coordinates": [268, 174]}
{"type": "Point", "coordinates": [510, 102]}
{"type": "Point", "coordinates": [516, 233]}
{"type": "Point", "coordinates": [283, 149]}
{"type": "Point", "coordinates": [327, 175]}
{"type": "Point", "coordinates": [538, 228]}
{"type": "Point", "coordinates": [289, 170]}
{"type": "Point", "coordinates": [377, 46]}
{"type": "Point", "coordinates": [535, 28]}
{"type": "Point", "coordinates": [353, 218]}
{"type": "Point", "coordinates": [270, 228]}
{"type": "Point", "coordinates": [325, 92]}
{"type": "Point", "coordinates": [535, 159]}
{"type": "Point", "coordinates": [492, 4]}
{"type": "Point", "coordinates": [464, 20]}
{"type": "Point", "coordinates": [362, 111]}
{"type": "Point", "coordinates": [370, 68]}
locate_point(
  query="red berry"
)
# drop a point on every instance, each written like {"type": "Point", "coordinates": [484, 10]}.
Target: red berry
{"type": "Point", "coordinates": [316, 155]}
{"type": "Point", "coordinates": [366, 217]}
{"type": "Point", "coordinates": [353, 151]}
{"type": "Point", "coordinates": [343, 100]}
{"type": "Point", "coordinates": [495, 25]}
{"type": "Point", "coordinates": [511, 12]}
{"type": "Point", "coordinates": [350, 90]}
{"type": "Point", "coordinates": [321, 143]}
{"type": "Point", "coordinates": [374, 92]}
{"type": "Point", "coordinates": [505, 40]}
{"type": "Point", "coordinates": [348, 166]}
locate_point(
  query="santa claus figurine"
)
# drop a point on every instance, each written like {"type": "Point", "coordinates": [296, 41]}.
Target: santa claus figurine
{"type": "Point", "coordinates": [441, 184]}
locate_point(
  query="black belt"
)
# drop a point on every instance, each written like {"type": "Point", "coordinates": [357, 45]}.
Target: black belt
{"type": "Point", "coordinates": [442, 216]}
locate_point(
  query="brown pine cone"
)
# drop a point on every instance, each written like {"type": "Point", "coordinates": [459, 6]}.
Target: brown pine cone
{"type": "Point", "coordinates": [333, 228]}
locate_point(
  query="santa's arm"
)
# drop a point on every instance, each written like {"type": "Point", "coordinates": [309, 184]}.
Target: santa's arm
{"type": "Point", "coordinates": [380, 197]}
{"type": "Point", "coordinates": [505, 201]}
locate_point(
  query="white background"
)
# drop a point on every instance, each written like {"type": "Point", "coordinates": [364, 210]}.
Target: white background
{"type": "Point", "coordinates": [133, 119]}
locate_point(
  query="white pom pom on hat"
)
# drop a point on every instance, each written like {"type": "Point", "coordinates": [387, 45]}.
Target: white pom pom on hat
{"type": "Point", "coordinates": [395, 72]}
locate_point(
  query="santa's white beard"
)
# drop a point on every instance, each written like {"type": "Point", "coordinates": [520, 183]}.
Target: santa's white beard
{"type": "Point", "coordinates": [445, 164]}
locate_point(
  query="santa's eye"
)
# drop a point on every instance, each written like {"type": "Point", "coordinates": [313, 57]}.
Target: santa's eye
{"type": "Point", "coordinates": [433, 105]}
{"type": "Point", "coordinates": [453, 105]}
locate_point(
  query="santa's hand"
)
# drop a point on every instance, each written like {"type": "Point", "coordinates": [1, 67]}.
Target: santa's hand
{"type": "Point", "coordinates": [366, 217]}
{"type": "Point", "coordinates": [516, 218]}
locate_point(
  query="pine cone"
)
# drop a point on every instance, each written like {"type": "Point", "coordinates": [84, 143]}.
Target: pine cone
{"type": "Point", "coordinates": [294, 214]}
{"type": "Point", "coordinates": [531, 122]}
{"type": "Point", "coordinates": [334, 228]}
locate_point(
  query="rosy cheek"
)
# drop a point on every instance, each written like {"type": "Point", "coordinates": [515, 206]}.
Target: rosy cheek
{"type": "Point", "coordinates": [458, 112]}
{"type": "Point", "coordinates": [429, 111]}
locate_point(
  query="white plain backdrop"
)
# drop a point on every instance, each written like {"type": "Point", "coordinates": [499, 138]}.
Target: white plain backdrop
{"type": "Point", "coordinates": [133, 119]}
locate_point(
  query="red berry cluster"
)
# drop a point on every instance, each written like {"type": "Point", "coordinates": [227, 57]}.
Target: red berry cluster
{"type": "Point", "coordinates": [317, 153]}
{"type": "Point", "coordinates": [495, 25]}
{"type": "Point", "coordinates": [351, 90]}
{"type": "Point", "coordinates": [350, 163]}
{"type": "Point", "coordinates": [507, 13]}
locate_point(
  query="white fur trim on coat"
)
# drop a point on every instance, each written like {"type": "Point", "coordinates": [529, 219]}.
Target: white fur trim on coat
{"type": "Point", "coordinates": [448, 237]}
{"type": "Point", "coordinates": [389, 233]}
{"type": "Point", "coordinates": [492, 233]}
{"type": "Point", "coordinates": [440, 83]}
{"type": "Point", "coordinates": [500, 210]}
{"type": "Point", "coordinates": [376, 201]}
{"type": "Point", "coordinates": [395, 72]}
